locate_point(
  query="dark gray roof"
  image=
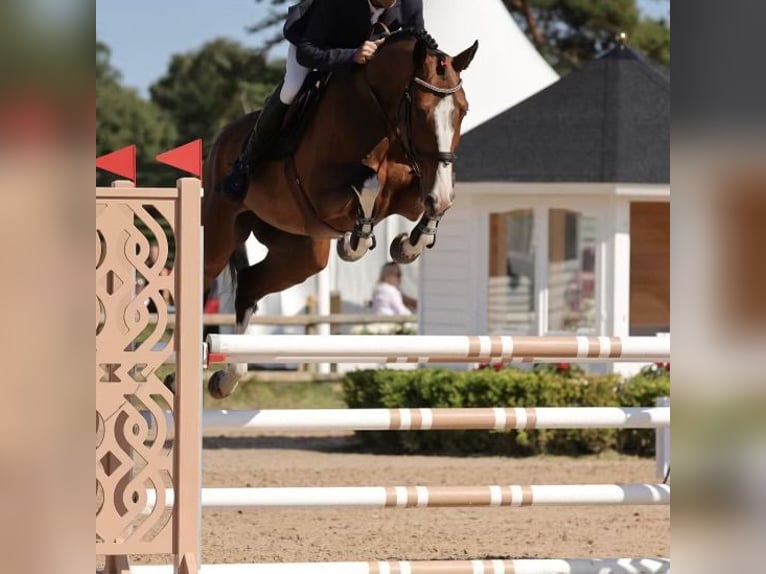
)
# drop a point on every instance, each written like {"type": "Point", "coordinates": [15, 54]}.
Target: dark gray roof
{"type": "Point", "coordinates": [607, 122]}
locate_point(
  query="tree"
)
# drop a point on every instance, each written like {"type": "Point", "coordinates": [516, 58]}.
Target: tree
{"type": "Point", "coordinates": [570, 32]}
{"type": "Point", "coordinates": [270, 23]}
{"type": "Point", "coordinates": [106, 74]}
{"type": "Point", "coordinates": [205, 89]}
{"type": "Point", "coordinates": [200, 92]}
{"type": "Point", "coordinates": [566, 32]}
{"type": "Point", "coordinates": [124, 118]}
{"type": "Point", "coordinates": [653, 38]}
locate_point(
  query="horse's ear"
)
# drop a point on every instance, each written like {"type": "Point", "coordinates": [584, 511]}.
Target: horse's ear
{"type": "Point", "coordinates": [420, 53]}
{"type": "Point", "coordinates": [464, 58]}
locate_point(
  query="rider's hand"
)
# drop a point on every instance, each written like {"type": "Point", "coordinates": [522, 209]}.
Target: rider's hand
{"type": "Point", "coordinates": [366, 51]}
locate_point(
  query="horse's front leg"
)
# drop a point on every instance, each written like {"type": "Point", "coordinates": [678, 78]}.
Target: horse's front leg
{"type": "Point", "coordinates": [355, 244]}
{"type": "Point", "coordinates": [405, 248]}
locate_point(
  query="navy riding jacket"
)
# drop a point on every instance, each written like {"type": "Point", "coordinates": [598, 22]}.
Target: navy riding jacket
{"type": "Point", "coordinates": [327, 33]}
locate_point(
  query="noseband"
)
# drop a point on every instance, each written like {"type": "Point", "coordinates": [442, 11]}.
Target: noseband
{"type": "Point", "coordinates": [413, 156]}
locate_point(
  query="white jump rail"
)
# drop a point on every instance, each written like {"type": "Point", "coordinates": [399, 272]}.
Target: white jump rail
{"type": "Point", "coordinates": [523, 566]}
{"type": "Point", "coordinates": [497, 418]}
{"type": "Point", "coordinates": [265, 349]}
{"type": "Point", "coordinates": [427, 496]}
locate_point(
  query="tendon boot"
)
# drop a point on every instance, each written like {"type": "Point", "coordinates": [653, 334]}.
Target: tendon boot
{"type": "Point", "coordinates": [265, 134]}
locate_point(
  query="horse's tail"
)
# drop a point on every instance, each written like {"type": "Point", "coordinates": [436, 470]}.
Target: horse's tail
{"type": "Point", "coordinates": [237, 261]}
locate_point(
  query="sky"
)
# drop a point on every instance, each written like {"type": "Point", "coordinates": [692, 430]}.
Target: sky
{"type": "Point", "coordinates": [144, 34]}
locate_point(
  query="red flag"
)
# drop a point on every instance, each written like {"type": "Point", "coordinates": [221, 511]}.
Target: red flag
{"type": "Point", "coordinates": [121, 162]}
{"type": "Point", "coordinates": [187, 157]}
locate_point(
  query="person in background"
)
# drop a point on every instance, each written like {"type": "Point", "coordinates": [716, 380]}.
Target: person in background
{"type": "Point", "coordinates": [387, 297]}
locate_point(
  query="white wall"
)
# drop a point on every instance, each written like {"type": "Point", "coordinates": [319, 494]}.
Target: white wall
{"type": "Point", "coordinates": [452, 301]}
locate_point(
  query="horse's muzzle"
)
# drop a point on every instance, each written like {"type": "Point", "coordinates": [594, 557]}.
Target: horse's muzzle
{"type": "Point", "coordinates": [438, 203]}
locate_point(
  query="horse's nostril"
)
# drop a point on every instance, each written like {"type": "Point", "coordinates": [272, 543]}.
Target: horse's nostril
{"type": "Point", "coordinates": [431, 203]}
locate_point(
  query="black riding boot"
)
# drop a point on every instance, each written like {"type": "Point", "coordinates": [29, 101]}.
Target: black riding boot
{"type": "Point", "coordinates": [264, 136]}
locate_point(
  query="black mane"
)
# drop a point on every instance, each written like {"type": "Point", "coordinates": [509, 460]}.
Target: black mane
{"type": "Point", "coordinates": [413, 34]}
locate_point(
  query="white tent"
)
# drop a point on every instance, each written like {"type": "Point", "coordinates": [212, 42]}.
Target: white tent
{"type": "Point", "coordinates": [506, 70]}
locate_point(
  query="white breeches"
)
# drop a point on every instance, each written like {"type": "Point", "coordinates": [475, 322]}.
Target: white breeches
{"type": "Point", "coordinates": [295, 74]}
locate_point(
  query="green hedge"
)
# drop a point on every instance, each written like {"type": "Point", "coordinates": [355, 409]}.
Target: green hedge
{"type": "Point", "coordinates": [546, 386]}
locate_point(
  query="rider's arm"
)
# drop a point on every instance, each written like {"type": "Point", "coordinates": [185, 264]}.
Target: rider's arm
{"type": "Point", "coordinates": [412, 14]}
{"type": "Point", "coordinates": [311, 51]}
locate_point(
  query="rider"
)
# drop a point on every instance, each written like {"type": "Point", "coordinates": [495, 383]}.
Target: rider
{"type": "Point", "coordinates": [325, 35]}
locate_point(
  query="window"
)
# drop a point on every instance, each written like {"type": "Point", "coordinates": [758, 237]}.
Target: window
{"type": "Point", "coordinates": [571, 272]}
{"type": "Point", "coordinates": [512, 273]}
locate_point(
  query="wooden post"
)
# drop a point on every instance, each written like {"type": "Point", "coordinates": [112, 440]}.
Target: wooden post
{"type": "Point", "coordinates": [336, 307]}
{"type": "Point", "coordinates": [311, 329]}
{"type": "Point", "coordinates": [118, 563]}
{"type": "Point", "coordinates": [187, 464]}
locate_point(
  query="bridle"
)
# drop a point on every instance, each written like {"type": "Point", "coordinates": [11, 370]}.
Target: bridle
{"type": "Point", "coordinates": [410, 152]}
{"type": "Point", "coordinates": [404, 112]}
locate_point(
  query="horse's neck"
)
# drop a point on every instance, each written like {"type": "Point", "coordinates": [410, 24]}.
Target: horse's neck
{"type": "Point", "coordinates": [338, 119]}
{"type": "Point", "coordinates": [347, 126]}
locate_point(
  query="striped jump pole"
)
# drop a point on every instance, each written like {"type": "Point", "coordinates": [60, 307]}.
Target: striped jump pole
{"type": "Point", "coordinates": [427, 496]}
{"type": "Point", "coordinates": [523, 566]}
{"type": "Point", "coordinates": [499, 418]}
{"type": "Point", "coordinates": [431, 349]}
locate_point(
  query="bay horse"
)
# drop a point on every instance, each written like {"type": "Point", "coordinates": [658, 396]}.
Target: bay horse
{"type": "Point", "coordinates": [396, 119]}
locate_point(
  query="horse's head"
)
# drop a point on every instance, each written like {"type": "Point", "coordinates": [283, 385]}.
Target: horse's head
{"type": "Point", "coordinates": [420, 91]}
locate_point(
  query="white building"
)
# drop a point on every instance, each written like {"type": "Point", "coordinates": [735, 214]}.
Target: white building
{"type": "Point", "coordinates": [562, 217]}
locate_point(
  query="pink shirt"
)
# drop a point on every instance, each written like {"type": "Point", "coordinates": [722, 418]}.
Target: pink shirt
{"type": "Point", "coordinates": [387, 300]}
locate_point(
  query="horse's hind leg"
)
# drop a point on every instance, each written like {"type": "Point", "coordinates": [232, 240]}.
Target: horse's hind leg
{"type": "Point", "coordinates": [290, 260]}
{"type": "Point", "coordinates": [224, 233]}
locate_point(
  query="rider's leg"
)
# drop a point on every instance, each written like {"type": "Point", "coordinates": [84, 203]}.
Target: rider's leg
{"type": "Point", "coordinates": [295, 75]}
{"type": "Point", "coordinates": [266, 130]}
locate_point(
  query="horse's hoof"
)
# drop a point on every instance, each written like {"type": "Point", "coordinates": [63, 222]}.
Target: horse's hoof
{"type": "Point", "coordinates": [347, 253]}
{"type": "Point", "coordinates": [343, 249]}
{"type": "Point", "coordinates": [170, 382]}
{"type": "Point", "coordinates": [397, 250]}
{"type": "Point", "coordinates": [221, 384]}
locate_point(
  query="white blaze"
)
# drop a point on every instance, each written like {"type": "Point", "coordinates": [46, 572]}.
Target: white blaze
{"type": "Point", "coordinates": [445, 132]}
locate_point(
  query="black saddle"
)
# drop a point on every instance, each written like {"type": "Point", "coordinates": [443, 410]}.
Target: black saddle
{"type": "Point", "coordinates": [300, 113]}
